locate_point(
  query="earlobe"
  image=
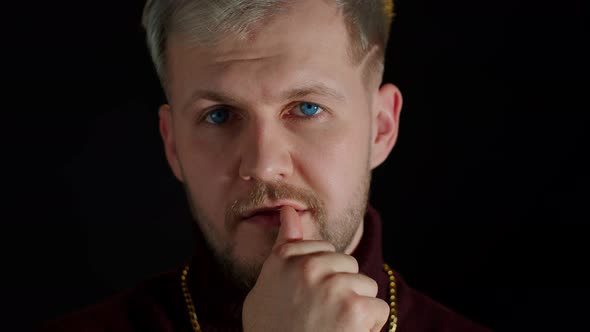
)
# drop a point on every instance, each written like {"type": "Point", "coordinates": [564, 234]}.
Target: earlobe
{"type": "Point", "coordinates": [167, 134]}
{"type": "Point", "coordinates": [387, 109]}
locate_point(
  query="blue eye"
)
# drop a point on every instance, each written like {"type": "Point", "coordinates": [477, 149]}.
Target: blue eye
{"type": "Point", "coordinates": [218, 116]}
{"type": "Point", "coordinates": [309, 109]}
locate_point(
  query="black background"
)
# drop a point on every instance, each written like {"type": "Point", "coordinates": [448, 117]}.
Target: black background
{"type": "Point", "coordinates": [484, 197]}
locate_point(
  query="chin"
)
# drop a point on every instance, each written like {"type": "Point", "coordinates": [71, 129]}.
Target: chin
{"type": "Point", "coordinates": [243, 261]}
{"type": "Point", "coordinates": [253, 252]}
{"type": "Point", "coordinates": [252, 242]}
{"type": "Point", "coordinates": [243, 270]}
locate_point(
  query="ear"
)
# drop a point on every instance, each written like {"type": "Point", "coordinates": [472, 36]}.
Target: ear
{"type": "Point", "coordinates": [167, 133]}
{"type": "Point", "coordinates": [387, 107]}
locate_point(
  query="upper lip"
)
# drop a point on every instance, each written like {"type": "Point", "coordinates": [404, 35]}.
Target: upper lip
{"type": "Point", "coordinates": [273, 207]}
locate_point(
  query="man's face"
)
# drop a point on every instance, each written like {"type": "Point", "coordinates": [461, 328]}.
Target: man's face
{"type": "Point", "coordinates": [282, 118]}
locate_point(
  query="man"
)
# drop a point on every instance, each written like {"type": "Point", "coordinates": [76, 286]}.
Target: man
{"type": "Point", "coordinates": [276, 118]}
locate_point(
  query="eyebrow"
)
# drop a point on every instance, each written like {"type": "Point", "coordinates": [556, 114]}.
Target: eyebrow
{"type": "Point", "coordinates": [306, 90]}
{"type": "Point", "coordinates": [212, 96]}
{"type": "Point", "coordinates": [315, 88]}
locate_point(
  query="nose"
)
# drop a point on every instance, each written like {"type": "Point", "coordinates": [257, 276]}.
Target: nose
{"type": "Point", "coordinates": [265, 153]}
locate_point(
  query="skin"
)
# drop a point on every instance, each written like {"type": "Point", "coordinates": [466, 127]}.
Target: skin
{"type": "Point", "coordinates": [326, 158]}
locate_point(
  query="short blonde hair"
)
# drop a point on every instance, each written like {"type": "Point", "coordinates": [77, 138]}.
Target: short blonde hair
{"type": "Point", "coordinates": [368, 23]}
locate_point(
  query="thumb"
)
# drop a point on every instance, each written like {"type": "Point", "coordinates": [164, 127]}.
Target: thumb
{"type": "Point", "coordinates": [291, 228]}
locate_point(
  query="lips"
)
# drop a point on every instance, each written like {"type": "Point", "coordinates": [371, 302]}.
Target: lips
{"type": "Point", "coordinates": [268, 215]}
{"type": "Point", "coordinates": [271, 209]}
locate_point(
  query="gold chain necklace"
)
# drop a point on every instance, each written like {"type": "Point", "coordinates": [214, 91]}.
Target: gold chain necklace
{"type": "Point", "coordinates": [392, 320]}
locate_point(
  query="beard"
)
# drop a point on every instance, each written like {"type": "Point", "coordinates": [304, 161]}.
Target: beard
{"type": "Point", "coordinates": [243, 272]}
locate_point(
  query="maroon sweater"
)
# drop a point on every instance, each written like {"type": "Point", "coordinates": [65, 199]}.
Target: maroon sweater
{"type": "Point", "coordinates": [157, 304]}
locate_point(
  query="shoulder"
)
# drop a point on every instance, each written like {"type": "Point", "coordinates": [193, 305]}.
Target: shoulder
{"type": "Point", "coordinates": [418, 312]}
{"type": "Point", "coordinates": [110, 314]}
{"type": "Point", "coordinates": [116, 313]}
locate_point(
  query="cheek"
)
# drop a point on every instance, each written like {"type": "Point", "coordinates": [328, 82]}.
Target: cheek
{"type": "Point", "coordinates": [205, 167]}
{"type": "Point", "coordinates": [334, 162]}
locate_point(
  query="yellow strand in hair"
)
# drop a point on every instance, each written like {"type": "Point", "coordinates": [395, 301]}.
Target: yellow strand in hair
{"type": "Point", "coordinates": [389, 8]}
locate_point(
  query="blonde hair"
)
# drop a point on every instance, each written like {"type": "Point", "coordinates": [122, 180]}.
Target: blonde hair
{"type": "Point", "coordinates": [368, 23]}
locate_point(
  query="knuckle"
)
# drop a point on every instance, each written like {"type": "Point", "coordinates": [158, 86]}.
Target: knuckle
{"type": "Point", "coordinates": [355, 264]}
{"type": "Point", "coordinates": [284, 251]}
{"type": "Point", "coordinates": [335, 286]}
{"type": "Point", "coordinates": [373, 286]}
{"type": "Point", "coordinates": [383, 308]}
{"type": "Point", "coordinates": [382, 311]}
{"type": "Point", "coordinates": [353, 308]}
{"type": "Point", "coordinates": [309, 269]}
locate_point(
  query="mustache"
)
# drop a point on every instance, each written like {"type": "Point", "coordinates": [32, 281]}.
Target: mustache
{"type": "Point", "coordinates": [263, 192]}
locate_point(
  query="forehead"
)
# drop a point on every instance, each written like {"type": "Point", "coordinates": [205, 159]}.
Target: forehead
{"type": "Point", "coordinates": [307, 43]}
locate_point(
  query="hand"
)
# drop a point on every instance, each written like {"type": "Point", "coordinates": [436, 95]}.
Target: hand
{"type": "Point", "coordinates": [305, 285]}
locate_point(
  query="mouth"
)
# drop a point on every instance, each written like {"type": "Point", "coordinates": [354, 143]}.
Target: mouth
{"type": "Point", "coordinates": [269, 215]}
